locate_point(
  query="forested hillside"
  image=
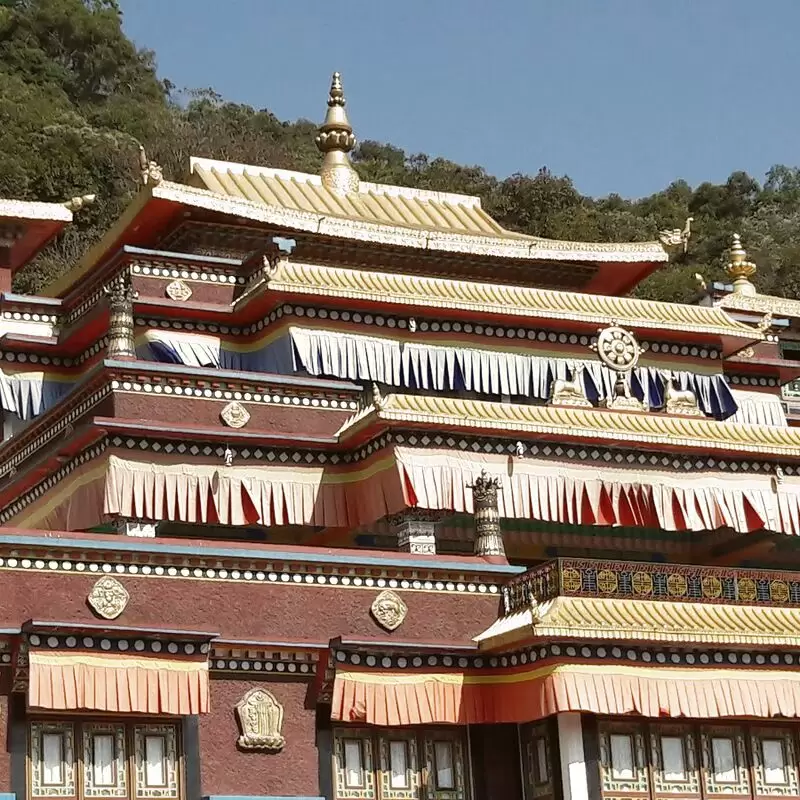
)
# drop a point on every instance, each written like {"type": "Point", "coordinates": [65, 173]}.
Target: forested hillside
{"type": "Point", "coordinates": [77, 97]}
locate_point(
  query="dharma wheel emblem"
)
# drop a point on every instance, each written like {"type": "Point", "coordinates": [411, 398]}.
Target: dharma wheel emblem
{"type": "Point", "coordinates": [389, 610]}
{"type": "Point", "coordinates": [261, 719]}
{"type": "Point", "coordinates": [618, 348]}
{"type": "Point", "coordinates": [108, 598]}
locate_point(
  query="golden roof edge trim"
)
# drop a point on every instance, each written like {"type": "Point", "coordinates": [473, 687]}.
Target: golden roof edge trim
{"type": "Point", "coordinates": [760, 304]}
{"type": "Point", "coordinates": [632, 619]}
{"type": "Point", "coordinates": [513, 246]}
{"type": "Point", "coordinates": [391, 190]}
{"type": "Point", "coordinates": [505, 299]}
{"type": "Point", "coordinates": [584, 423]}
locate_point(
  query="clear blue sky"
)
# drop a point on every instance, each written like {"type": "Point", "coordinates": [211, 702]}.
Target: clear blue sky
{"type": "Point", "coordinates": [622, 95]}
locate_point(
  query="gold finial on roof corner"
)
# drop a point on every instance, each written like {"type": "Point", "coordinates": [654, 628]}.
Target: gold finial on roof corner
{"type": "Point", "coordinates": [677, 238]}
{"type": "Point", "coordinates": [740, 269]}
{"type": "Point", "coordinates": [335, 140]}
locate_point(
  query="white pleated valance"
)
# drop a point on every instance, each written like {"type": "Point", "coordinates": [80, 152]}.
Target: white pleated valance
{"type": "Point", "coordinates": [564, 492]}
{"type": "Point", "coordinates": [417, 365]}
{"type": "Point", "coordinates": [758, 408]}
{"type": "Point", "coordinates": [29, 394]}
{"type": "Point", "coordinates": [198, 350]}
{"type": "Point", "coordinates": [163, 488]}
{"type": "Point", "coordinates": [357, 494]}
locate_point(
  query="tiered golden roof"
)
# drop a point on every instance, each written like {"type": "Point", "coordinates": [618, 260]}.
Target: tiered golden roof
{"type": "Point", "coordinates": [370, 202]}
{"type": "Point", "coordinates": [647, 620]}
{"type": "Point", "coordinates": [583, 423]}
{"type": "Point", "coordinates": [353, 284]}
{"type": "Point", "coordinates": [391, 214]}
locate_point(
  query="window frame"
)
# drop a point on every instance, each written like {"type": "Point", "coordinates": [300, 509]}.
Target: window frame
{"type": "Point", "coordinates": [78, 765]}
{"type": "Point", "coordinates": [420, 764]}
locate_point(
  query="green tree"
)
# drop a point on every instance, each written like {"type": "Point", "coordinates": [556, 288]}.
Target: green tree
{"type": "Point", "coordinates": [77, 98]}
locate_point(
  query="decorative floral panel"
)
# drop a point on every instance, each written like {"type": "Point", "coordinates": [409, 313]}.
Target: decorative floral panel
{"type": "Point", "coordinates": [774, 762]}
{"type": "Point", "coordinates": [354, 777]}
{"type": "Point", "coordinates": [673, 756]}
{"type": "Point", "coordinates": [104, 760]}
{"type": "Point", "coordinates": [399, 770]}
{"type": "Point", "coordinates": [444, 762]}
{"type": "Point", "coordinates": [156, 751]}
{"type": "Point", "coordinates": [724, 761]}
{"type": "Point", "coordinates": [52, 751]}
{"type": "Point", "coordinates": [623, 759]}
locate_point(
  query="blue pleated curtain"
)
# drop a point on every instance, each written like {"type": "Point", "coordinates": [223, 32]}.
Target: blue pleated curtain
{"type": "Point", "coordinates": [419, 366]}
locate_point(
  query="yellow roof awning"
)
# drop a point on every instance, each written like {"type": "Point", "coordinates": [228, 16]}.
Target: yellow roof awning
{"type": "Point", "coordinates": [628, 620]}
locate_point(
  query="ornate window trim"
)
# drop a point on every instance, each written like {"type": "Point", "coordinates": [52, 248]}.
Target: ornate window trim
{"type": "Point", "coordinates": [662, 782]}
{"type": "Point", "coordinates": [420, 757]}
{"type": "Point", "coordinates": [38, 786]}
{"type": "Point", "coordinates": [119, 787]}
{"type": "Point", "coordinates": [343, 790]}
{"type": "Point", "coordinates": [171, 787]}
{"type": "Point", "coordinates": [764, 787]}
{"type": "Point", "coordinates": [537, 759]}
{"type": "Point", "coordinates": [129, 772]}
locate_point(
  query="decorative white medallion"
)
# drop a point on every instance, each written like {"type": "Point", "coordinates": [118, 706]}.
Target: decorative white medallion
{"type": "Point", "coordinates": [178, 290]}
{"type": "Point", "coordinates": [261, 719]}
{"type": "Point", "coordinates": [389, 610]}
{"type": "Point", "coordinates": [235, 415]}
{"type": "Point", "coordinates": [108, 598]}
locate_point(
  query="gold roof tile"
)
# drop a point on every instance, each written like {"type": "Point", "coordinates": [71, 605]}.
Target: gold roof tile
{"type": "Point", "coordinates": [292, 276]}
{"type": "Point", "coordinates": [761, 304]}
{"type": "Point", "coordinates": [647, 620]}
{"type": "Point", "coordinates": [583, 423]}
{"type": "Point", "coordinates": [399, 207]}
{"type": "Point", "coordinates": [389, 205]}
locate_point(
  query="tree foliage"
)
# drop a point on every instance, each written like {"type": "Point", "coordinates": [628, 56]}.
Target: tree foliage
{"type": "Point", "coordinates": [77, 97]}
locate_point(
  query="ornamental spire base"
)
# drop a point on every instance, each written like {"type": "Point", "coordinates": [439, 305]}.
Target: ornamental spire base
{"type": "Point", "coordinates": [335, 140]}
{"type": "Point", "coordinates": [488, 536]}
{"type": "Point", "coordinates": [120, 295]}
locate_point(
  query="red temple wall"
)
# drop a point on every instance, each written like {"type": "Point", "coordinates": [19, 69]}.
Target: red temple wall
{"type": "Point", "coordinates": [258, 611]}
{"type": "Point", "coordinates": [214, 294]}
{"type": "Point", "coordinates": [296, 420]}
{"type": "Point", "coordinates": [5, 732]}
{"type": "Point", "coordinates": [225, 769]}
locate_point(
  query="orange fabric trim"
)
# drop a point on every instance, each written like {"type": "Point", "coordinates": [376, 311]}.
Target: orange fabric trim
{"type": "Point", "coordinates": [61, 681]}
{"type": "Point", "coordinates": [474, 698]}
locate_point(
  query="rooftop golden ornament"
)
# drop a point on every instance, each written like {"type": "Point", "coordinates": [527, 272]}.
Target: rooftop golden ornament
{"type": "Point", "coordinates": [677, 238]}
{"type": "Point", "coordinates": [335, 139]}
{"type": "Point", "coordinates": [150, 172]}
{"type": "Point", "coordinates": [740, 269]}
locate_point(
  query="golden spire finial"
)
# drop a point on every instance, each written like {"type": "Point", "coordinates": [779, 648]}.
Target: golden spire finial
{"type": "Point", "coordinates": [335, 139]}
{"type": "Point", "coordinates": [740, 269]}
{"type": "Point", "coordinates": [336, 96]}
